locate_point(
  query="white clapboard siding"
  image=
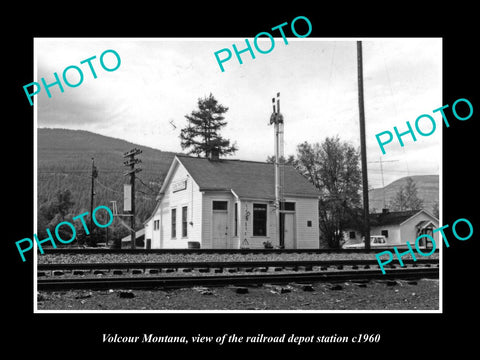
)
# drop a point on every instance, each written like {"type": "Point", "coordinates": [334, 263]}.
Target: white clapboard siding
{"type": "Point", "coordinates": [408, 229]}
{"type": "Point", "coordinates": [306, 209]}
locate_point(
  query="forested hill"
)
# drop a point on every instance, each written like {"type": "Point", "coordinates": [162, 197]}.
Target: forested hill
{"type": "Point", "coordinates": [64, 162]}
{"type": "Point", "coordinates": [427, 190]}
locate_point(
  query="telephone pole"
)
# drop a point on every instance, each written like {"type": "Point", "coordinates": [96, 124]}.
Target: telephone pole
{"type": "Point", "coordinates": [92, 193]}
{"type": "Point", "coordinates": [130, 163]}
{"type": "Point", "coordinates": [363, 147]}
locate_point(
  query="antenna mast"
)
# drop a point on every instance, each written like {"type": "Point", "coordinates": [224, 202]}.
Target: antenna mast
{"type": "Point", "coordinates": [383, 182]}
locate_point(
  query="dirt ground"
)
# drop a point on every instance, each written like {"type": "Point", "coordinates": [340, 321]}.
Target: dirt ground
{"type": "Point", "coordinates": [372, 295]}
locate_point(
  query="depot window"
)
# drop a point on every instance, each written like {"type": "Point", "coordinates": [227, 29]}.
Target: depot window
{"type": "Point", "coordinates": [174, 223]}
{"type": "Point", "coordinates": [236, 220]}
{"type": "Point", "coordinates": [259, 219]}
{"type": "Point", "coordinates": [184, 221]}
{"type": "Point", "coordinates": [287, 206]}
{"type": "Point", "coordinates": [220, 205]}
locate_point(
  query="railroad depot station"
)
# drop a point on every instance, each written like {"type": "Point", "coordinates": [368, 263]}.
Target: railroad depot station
{"type": "Point", "coordinates": [216, 203]}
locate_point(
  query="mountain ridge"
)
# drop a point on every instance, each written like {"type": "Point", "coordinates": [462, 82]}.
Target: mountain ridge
{"type": "Point", "coordinates": [65, 162]}
{"type": "Point", "coordinates": [427, 190]}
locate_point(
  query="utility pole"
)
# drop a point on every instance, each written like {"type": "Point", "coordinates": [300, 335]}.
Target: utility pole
{"type": "Point", "coordinates": [92, 193]}
{"type": "Point", "coordinates": [130, 163]}
{"type": "Point", "coordinates": [363, 147]}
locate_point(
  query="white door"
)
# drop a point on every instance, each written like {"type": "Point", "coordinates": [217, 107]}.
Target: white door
{"type": "Point", "coordinates": [289, 235]}
{"type": "Point", "coordinates": [219, 230]}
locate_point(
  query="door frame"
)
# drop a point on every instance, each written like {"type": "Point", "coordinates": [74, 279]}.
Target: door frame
{"type": "Point", "coordinates": [294, 229]}
{"type": "Point", "coordinates": [228, 236]}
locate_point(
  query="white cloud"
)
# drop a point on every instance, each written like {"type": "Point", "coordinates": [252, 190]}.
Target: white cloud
{"type": "Point", "coordinates": [160, 80]}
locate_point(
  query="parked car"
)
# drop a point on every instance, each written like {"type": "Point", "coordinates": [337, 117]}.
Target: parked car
{"type": "Point", "coordinates": [375, 241]}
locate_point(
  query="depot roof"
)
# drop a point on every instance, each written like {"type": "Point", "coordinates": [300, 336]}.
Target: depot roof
{"type": "Point", "coordinates": [247, 179]}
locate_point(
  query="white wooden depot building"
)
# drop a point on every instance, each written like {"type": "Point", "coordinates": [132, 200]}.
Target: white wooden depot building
{"type": "Point", "coordinates": [230, 204]}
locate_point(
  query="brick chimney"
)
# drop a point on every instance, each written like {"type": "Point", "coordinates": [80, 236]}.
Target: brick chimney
{"type": "Point", "coordinates": [214, 155]}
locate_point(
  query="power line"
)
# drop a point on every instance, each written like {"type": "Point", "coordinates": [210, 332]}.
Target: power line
{"type": "Point", "coordinates": [146, 196]}
{"type": "Point", "coordinates": [75, 171]}
{"type": "Point", "coordinates": [148, 187]}
{"type": "Point", "coordinates": [107, 187]}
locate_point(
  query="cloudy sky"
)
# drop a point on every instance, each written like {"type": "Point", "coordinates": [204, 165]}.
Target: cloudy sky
{"type": "Point", "coordinates": [160, 80]}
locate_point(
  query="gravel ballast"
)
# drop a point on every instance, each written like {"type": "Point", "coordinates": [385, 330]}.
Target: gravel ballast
{"type": "Point", "coordinates": [156, 257]}
{"type": "Point", "coordinates": [371, 295]}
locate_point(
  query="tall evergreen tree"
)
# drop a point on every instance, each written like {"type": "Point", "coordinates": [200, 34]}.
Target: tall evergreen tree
{"type": "Point", "coordinates": [201, 136]}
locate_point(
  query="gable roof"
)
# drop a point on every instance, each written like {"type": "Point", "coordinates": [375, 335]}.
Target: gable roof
{"type": "Point", "coordinates": [386, 218]}
{"type": "Point", "coordinates": [424, 224]}
{"type": "Point", "coordinates": [391, 218]}
{"type": "Point", "coordinates": [247, 179]}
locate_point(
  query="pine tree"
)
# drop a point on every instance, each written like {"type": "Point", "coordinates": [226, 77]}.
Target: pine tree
{"type": "Point", "coordinates": [201, 135]}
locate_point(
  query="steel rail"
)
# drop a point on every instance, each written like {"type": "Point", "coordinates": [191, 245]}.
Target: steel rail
{"type": "Point", "coordinates": [223, 264]}
{"type": "Point", "coordinates": [214, 280]}
{"type": "Point", "coordinates": [213, 251]}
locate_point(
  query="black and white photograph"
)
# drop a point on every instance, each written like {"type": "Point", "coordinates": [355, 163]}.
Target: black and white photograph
{"type": "Point", "coordinates": [241, 189]}
{"type": "Point", "coordinates": [236, 180]}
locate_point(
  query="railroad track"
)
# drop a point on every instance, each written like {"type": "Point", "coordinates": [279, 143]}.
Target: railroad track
{"type": "Point", "coordinates": [291, 271]}
{"type": "Point", "coordinates": [296, 264]}
{"type": "Point", "coordinates": [238, 280]}
{"type": "Point", "coordinates": [214, 251]}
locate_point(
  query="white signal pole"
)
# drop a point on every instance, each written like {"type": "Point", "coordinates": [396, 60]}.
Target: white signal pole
{"type": "Point", "coordinates": [277, 119]}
